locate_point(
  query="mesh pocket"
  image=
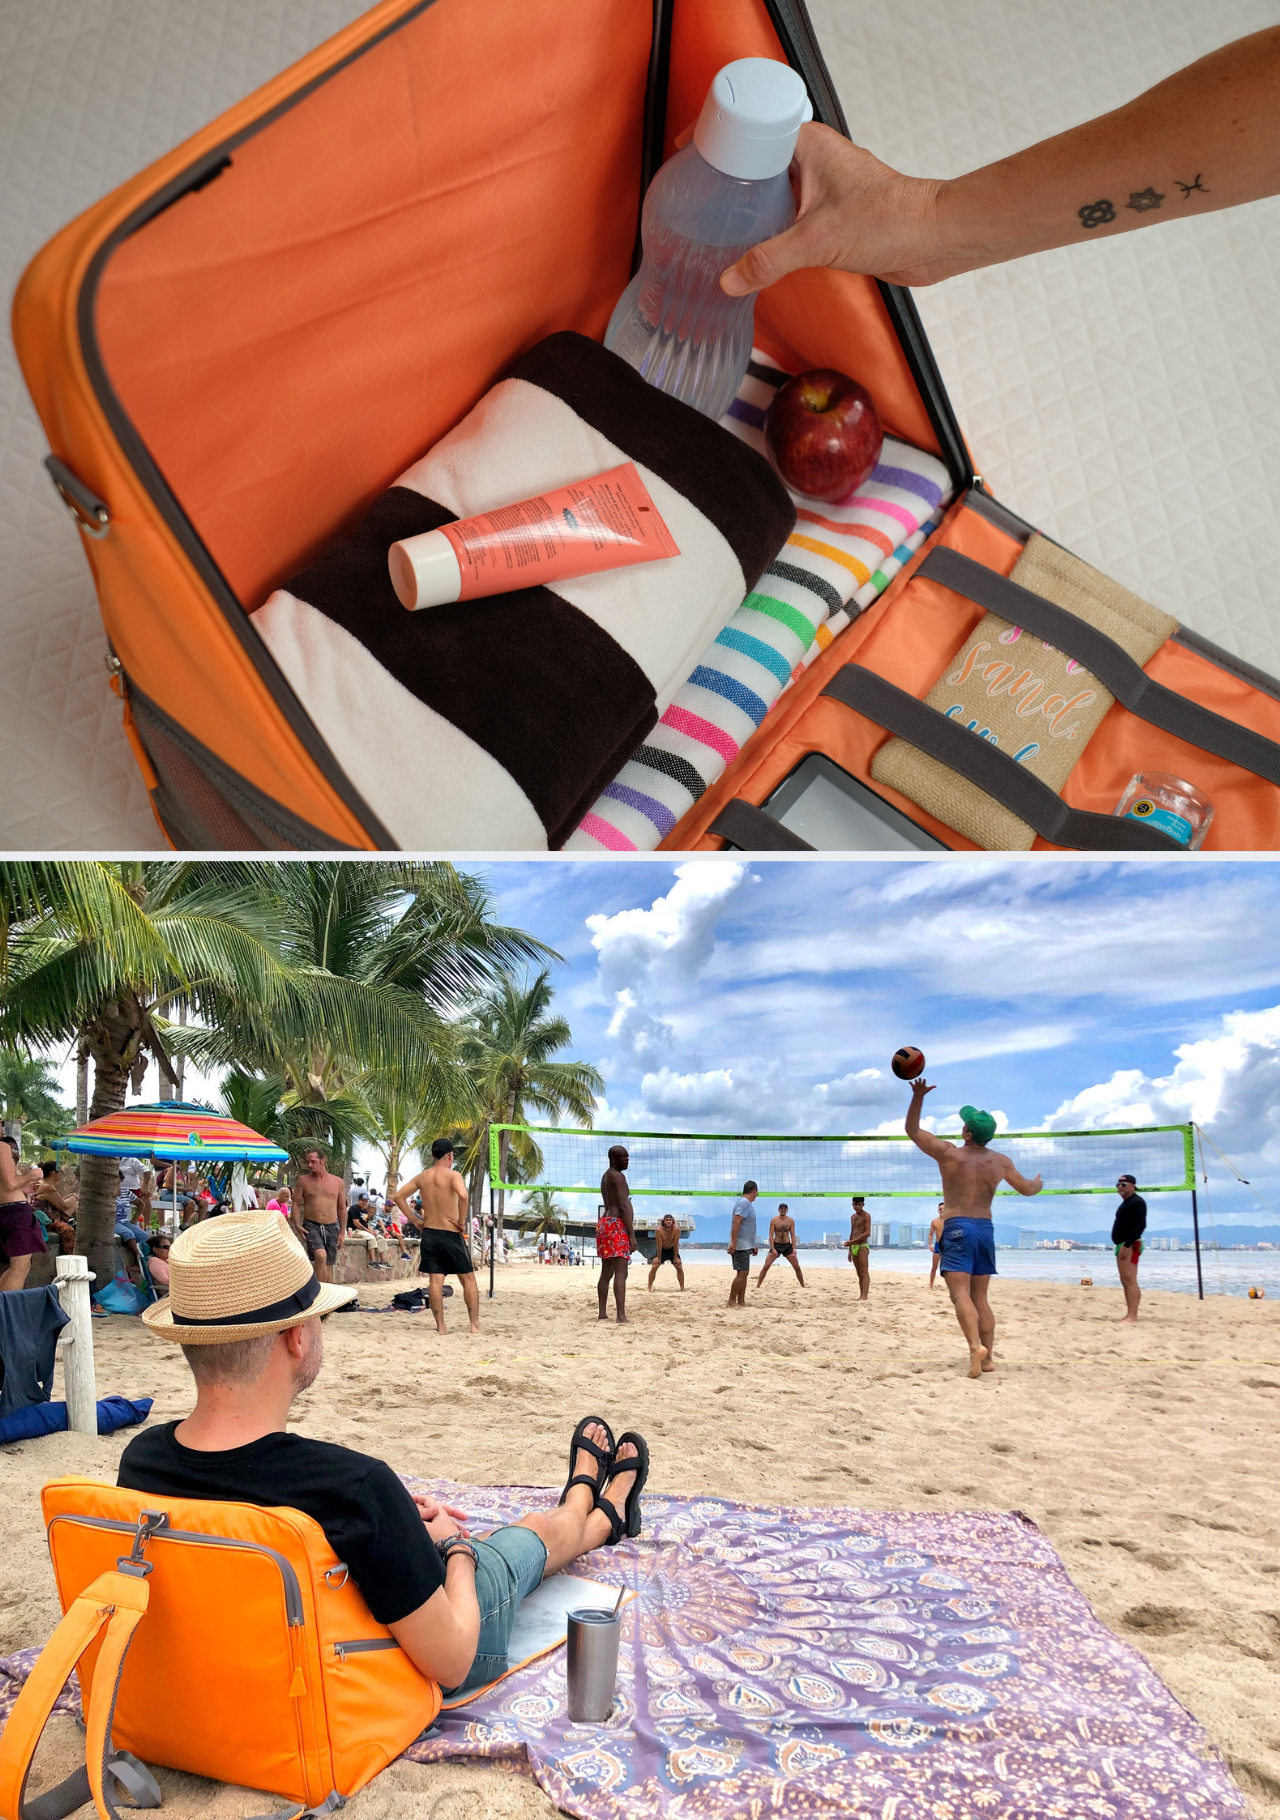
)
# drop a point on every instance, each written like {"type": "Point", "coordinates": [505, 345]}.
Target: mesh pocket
{"type": "Point", "coordinates": [203, 805]}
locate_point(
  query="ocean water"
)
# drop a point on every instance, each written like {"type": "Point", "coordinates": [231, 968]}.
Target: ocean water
{"type": "Point", "coordinates": [1225, 1272]}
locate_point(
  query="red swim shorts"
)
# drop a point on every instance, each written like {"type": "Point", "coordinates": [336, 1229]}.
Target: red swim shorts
{"type": "Point", "coordinates": [611, 1237]}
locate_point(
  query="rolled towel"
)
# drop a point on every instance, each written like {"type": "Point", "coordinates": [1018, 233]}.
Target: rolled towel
{"type": "Point", "coordinates": [836, 561]}
{"type": "Point", "coordinates": [494, 723]}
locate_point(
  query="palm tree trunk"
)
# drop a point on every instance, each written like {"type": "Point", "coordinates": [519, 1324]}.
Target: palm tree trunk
{"type": "Point", "coordinates": [393, 1161]}
{"type": "Point", "coordinates": [182, 1060]}
{"type": "Point", "coordinates": [111, 1042]}
{"type": "Point", "coordinates": [504, 1145]}
{"type": "Point", "coordinates": [82, 1086]}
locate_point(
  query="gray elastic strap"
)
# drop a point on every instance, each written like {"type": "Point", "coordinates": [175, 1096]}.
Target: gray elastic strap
{"type": "Point", "coordinates": [63, 1799]}
{"type": "Point", "coordinates": [755, 831]}
{"type": "Point", "coordinates": [1108, 661]}
{"type": "Point", "coordinates": [132, 1776]}
{"type": "Point", "coordinates": [330, 1805]}
{"type": "Point", "coordinates": [135, 1781]}
{"type": "Point", "coordinates": [992, 770]}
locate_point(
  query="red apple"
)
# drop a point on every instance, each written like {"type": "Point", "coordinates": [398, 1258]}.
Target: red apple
{"type": "Point", "coordinates": [823, 434]}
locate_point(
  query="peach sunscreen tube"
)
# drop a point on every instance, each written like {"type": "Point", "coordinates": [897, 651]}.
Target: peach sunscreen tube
{"type": "Point", "coordinates": [607, 522]}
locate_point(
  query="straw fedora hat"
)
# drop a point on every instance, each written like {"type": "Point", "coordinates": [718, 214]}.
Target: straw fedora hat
{"type": "Point", "coordinates": [237, 1277]}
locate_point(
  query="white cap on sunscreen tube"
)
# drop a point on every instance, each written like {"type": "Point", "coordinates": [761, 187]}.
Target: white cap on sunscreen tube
{"type": "Point", "coordinates": [425, 571]}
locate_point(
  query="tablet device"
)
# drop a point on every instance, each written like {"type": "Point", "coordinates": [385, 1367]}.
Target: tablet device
{"type": "Point", "coordinates": [836, 814]}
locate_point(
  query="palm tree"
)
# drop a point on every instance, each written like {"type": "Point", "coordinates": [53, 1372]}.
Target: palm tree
{"type": "Point", "coordinates": [512, 1039]}
{"type": "Point", "coordinates": [101, 954]}
{"type": "Point", "coordinates": [410, 928]}
{"type": "Point", "coordinates": [540, 1213]}
{"type": "Point", "coordinates": [28, 1093]}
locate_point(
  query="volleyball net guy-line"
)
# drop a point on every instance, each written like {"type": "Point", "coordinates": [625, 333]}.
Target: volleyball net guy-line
{"type": "Point", "coordinates": [705, 1165]}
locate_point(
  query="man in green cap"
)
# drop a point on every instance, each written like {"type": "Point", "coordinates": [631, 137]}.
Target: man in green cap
{"type": "Point", "coordinates": [970, 1176]}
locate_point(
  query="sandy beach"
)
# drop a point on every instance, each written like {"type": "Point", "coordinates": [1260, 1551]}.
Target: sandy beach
{"type": "Point", "coordinates": [1147, 1455]}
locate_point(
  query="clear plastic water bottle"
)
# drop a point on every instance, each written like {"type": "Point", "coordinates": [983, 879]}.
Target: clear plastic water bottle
{"type": "Point", "coordinates": [725, 192]}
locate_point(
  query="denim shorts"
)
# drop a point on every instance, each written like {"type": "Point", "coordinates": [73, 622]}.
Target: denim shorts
{"type": "Point", "coordinates": [511, 1563]}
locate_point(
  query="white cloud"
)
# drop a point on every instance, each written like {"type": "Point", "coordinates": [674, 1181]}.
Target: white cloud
{"type": "Point", "coordinates": [1228, 1082]}
{"type": "Point", "coordinates": [634, 1031]}
{"type": "Point", "coordinates": [644, 954]}
{"type": "Point", "coordinates": [674, 938]}
{"type": "Point", "coordinates": [863, 1088]}
{"type": "Point", "coordinates": [975, 931]}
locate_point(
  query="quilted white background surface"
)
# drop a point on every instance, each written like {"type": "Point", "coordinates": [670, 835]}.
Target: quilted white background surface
{"type": "Point", "coordinates": [90, 91]}
{"type": "Point", "coordinates": [1122, 395]}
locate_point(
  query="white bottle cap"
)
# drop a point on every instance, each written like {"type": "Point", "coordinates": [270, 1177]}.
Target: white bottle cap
{"type": "Point", "coordinates": [425, 571]}
{"type": "Point", "coordinates": [752, 117]}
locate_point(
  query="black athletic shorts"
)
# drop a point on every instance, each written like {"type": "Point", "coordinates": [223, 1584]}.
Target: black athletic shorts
{"type": "Point", "coordinates": [666, 1254]}
{"type": "Point", "coordinates": [783, 1248]}
{"type": "Point", "coordinates": [444, 1254]}
{"type": "Point", "coordinates": [322, 1235]}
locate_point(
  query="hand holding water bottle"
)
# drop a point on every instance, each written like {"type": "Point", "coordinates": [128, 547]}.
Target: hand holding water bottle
{"type": "Point", "coordinates": [858, 215]}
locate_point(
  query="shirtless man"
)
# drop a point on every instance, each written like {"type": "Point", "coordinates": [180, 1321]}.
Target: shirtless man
{"type": "Point", "coordinates": [615, 1235]}
{"type": "Point", "coordinates": [859, 1246]}
{"type": "Point", "coordinates": [320, 1212]}
{"type": "Point", "coordinates": [668, 1252]}
{"type": "Point", "coordinates": [443, 1225]}
{"type": "Point", "coordinates": [970, 1176]}
{"type": "Point", "coordinates": [935, 1240]}
{"type": "Point", "coordinates": [782, 1244]}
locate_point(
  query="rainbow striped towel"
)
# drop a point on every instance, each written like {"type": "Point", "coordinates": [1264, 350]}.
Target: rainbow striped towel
{"type": "Point", "coordinates": [835, 563]}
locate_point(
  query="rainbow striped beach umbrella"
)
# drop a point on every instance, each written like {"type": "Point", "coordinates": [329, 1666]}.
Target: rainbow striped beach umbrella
{"type": "Point", "coordinates": [173, 1130]}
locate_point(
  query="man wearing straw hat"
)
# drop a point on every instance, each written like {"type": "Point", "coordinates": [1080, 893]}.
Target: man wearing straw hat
{"type": "Point", "coordinates": [970, 1176]}
{"type": "Point", "coordinates": [245, 1305]}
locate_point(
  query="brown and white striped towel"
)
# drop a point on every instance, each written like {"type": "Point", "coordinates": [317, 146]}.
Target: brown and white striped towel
{"type": "Point", "coordinates": [494, 724]}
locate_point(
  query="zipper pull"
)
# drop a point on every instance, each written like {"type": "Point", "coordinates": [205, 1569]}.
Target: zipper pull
{"type": "Point", "coordinates": [297, 1687]}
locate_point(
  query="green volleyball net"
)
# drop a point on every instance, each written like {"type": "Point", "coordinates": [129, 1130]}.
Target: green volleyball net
{"type": "Point", "coordinates": [710, 1165]}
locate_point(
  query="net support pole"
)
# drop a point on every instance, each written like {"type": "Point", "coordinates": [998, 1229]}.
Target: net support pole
{"type": "Point", "coordinates": [76, 1347]}
{"type": "Point", "coordinates": [1195, 1229]}
{"type": "Point", "coordinates": [493, 1239]}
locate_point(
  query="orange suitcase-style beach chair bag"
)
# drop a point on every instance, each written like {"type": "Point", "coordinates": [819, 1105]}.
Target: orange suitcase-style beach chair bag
{"type": "Point", "coordinates": [236, 352]}
{"type": "Point", "coordinates": [220, 1639]}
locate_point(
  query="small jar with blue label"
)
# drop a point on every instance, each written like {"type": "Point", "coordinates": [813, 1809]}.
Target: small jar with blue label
{"type": "Point", "coordinates": [1169, 803]}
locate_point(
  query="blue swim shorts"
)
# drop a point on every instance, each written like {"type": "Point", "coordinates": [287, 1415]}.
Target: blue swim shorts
{"type": "Point", "coordinates": [511, 1565]}
{"type": "Point", "coordinates": [970, 1246]}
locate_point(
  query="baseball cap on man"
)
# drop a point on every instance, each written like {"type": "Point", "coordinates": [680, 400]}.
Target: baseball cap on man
{"type": "Point", "coordinates": [238, 1278]}
{"type": "Point", "coordinates": [981, 1124]}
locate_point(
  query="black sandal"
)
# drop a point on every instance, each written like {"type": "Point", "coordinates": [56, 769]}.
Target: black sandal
{"type": "Point", "coordinates": [628, 1523]}
{"type": "Point", "coordinates": [605, 1458]}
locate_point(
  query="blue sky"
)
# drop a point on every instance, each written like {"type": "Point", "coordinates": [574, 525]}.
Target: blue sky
{"type": "Point", "coordinates": [721, 994]}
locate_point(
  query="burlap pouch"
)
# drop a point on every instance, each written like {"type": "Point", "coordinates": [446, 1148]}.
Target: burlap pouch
{"type": "Point", "coordinates": [1023, 695]}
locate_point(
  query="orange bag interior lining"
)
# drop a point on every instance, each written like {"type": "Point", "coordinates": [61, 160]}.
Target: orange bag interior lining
{"type": "Point", "coordinates": [911, 634]}
{"type": "Point", "coordinates": [287, 339]}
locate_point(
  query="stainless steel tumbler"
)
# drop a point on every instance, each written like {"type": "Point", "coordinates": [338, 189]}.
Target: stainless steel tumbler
{"type": "Point", "coordinates": [593, 1663]}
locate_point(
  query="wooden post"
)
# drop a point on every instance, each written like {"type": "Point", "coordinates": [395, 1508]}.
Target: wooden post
{"type": "Point", "coordinates": [74, 1278]}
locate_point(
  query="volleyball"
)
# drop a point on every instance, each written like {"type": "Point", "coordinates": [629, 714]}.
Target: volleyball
{"type": "Point", "coordinates": [907, 1062]}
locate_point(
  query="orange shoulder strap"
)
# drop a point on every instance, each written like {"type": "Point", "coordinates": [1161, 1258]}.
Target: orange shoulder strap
{"type": "Point", "coordinates": [117, 1601]}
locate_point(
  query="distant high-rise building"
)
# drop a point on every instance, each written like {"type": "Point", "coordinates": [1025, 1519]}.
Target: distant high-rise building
{"type": "Point", "coordinates": [833, 1240]}
{"type": "Point", "coordinates": [902, 1234]}
{"type": "Point", "coordinates": [880, 1233]}
{"type": "Point", "coordinates": [1026, 1240]}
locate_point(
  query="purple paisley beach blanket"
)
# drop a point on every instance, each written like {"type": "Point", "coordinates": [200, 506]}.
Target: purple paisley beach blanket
{"type": "Point", "coordinates": [791, 1662]}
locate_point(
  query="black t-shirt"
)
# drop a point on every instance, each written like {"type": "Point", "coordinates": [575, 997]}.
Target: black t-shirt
{"type": "Point", "coordinates": [369, 1518]}
{"type": "Point", "coordinates": [1130, 1222]}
